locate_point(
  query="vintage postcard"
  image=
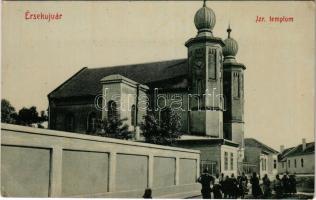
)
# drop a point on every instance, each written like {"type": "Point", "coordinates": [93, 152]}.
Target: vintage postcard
{"type": "Point", "coordinates": [158, 99]}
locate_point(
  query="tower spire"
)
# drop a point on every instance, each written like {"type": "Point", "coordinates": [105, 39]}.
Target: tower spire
{"type": "Point", "coordinates": [229, 30]}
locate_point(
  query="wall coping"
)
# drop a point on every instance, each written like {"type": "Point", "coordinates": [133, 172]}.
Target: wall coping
{"type": "Point", "coordinates": [54, 133]}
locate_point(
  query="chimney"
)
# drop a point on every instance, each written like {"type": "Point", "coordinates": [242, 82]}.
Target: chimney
{"type": "Point", "coordinates": [304, 144]}
{"type": "Point", "coordinates": [281, 148]}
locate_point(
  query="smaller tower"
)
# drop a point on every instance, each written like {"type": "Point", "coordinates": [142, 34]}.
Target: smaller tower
{"type": "Point", "coordinates": [234, 92]}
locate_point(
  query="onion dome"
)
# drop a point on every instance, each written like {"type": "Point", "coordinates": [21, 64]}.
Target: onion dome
{"type": "Point", "coordinates": [205, 19]}
{"type": "Point", "coordinates": [231, 45]}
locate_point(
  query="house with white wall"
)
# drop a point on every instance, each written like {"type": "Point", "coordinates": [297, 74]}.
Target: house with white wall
{"type": "Point", "coordinates": [261, 158]}
{"type": "Point", "coordinates": [299, 159]}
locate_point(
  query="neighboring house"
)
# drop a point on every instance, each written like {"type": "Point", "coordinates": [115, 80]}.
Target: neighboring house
{"type": "Point", "coordinates": [217, 155]}
{"type": "Point", "coordinates": [260, 158]}
{"type": "Point", "coordinates": [299, 159]}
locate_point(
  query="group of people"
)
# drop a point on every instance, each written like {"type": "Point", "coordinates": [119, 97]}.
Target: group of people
{"type": "Point", "coordinates": [282, 187]}
{"type": "Point", "coordinates": [223, 186]}
{"type": "Point", "coordinates": [232, 187]}
{"type": "Point", "coordinates": [285, 186]}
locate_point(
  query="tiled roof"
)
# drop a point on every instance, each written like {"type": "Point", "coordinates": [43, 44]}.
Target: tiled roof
{"type": "Point", "coordinates": [251, 142]}
{"type": "Point", "coordinates": [284, 153]}
{"type": "Point", "coordinates": [87, 81]}
{"type": "Point", "coordinates": [298, 150]}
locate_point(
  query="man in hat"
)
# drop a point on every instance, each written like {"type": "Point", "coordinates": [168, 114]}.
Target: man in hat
{"type": "Point", "coordinates": [205, 179]}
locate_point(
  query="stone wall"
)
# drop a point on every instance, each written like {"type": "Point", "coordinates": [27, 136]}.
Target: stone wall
{"type": "Point", "coordinates": [47, 163]}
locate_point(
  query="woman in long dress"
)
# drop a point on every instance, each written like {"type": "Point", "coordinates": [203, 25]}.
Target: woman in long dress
{"type": "Point", "coordinates": [256, 190]}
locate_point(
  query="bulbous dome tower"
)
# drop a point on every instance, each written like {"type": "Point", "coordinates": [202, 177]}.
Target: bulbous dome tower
{"type": "Point", "coordinates": [231, 46]}
{"type": "Point", "coordinates": [205, 19]}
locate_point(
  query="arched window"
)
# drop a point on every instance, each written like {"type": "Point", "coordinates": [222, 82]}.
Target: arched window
{"type": "Point", "coordinates": [133, 115]}
{"type": "Point", "coordinates": [231, 161]}
{"type": "Point", "coordinates": [69, 122]}
{"type": "Point", "coordinates": [99, 102]}
{"type": "Point", "coordinates": [225, 161]}
{"type": "Point", "coordinates": [274, 164]}
{"type": "Point", "coordinates": [289, 163]}
{"type": "Point", "coordinates": [236, 85]}
{"type": "Point", "coordinates": [112, 109]}
{"type": "Point", "coordinates": [199, 87]}
{"type": "Point", "coordinates": [302, 162]}
{"type": "Point", "coordinates": [92, 122]}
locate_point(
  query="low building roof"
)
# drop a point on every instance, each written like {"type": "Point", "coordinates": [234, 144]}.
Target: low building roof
{"type": "Point", "coordinates": [284, 153]}
{"type": "Point", "coordinates": [298, 150]}
{"type": "Point", "coordinates": [86, 82]}
{"type": "Point", "coordinates": [251, 142]}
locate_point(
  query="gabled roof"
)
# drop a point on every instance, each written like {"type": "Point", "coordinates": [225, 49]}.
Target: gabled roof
{"type": "Point", "coordinates": [298, 150]}
{"type": "Point", "coordinates": [251, 142]}
{"type": "Point", "coordinates": [87, 81]}
{"type": "Point", "coordinates": [284, 153]}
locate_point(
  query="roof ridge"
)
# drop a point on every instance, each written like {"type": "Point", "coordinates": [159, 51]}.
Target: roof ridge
{"type": "Point", "coordinates": [310, 143]}
{"type": "Point", "coordinates": [66, 81]}
{"type": "Point", "coordinates": [271, 149]}
{"type": "Point", "coordinates": [145, 63]}
{"type": "Point", "coordinates": [291, 150]}
{"type": "Point", "coordinates": [296, 150]}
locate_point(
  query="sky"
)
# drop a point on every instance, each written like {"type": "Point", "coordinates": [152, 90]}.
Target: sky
{"type": "Point", "coordinates": [38, 56]}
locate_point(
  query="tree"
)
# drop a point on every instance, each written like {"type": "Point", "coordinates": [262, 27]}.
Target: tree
{"type": "Point", "coordinates": [43, 117]}
{"type": "Point", "coordinates": [28, 116]}
{"type": "Point", "coordinates": [25, 116]}
{"type": "Point", "coordinates": [114, 127]}
{"type": "Point", "coordinates": [165, 132]}
{"type": "Point", "coordinates": [151, 129]}
{"type": "Point", "coordinates": [8, 114]}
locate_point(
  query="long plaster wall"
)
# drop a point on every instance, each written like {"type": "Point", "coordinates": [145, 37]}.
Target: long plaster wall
{"type": "Point", "coordinates": [46, 163]}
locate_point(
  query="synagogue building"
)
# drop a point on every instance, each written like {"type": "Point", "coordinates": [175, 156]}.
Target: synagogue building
{"type": "Point", "coordinates": [206, 89]}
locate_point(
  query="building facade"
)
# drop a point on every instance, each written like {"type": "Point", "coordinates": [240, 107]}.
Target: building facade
{"type": "Point", "coordinates": [298, 160]}
{"type": "Point", "coordinates": [260, 158]}
{"type": "Point", "coordinates": [206, 89]}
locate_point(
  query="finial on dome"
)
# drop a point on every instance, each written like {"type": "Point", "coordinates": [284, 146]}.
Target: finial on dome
{"type": "Point", "coordinates": [204, 3]}
{"type": "Point", "coordinates": [231, 46]}
{"type": "Point", "coordinates": [229, 30]}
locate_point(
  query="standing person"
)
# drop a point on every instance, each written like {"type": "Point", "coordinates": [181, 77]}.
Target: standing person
{"type": "Point", "coordinates": [285, 184]}
{"type": "Point", "coordinates": [221, 180]}
{"type": "Point", "coordinates": [266, 186]}
{"type": "Point", "coordinates": [243, 181]}
{"type": "Point", "coordinates": [205, 179]}
{"type": "Point", "coordinates": [292, 183]}
{"type": "Point", "coordinates": [233, 187]}
{"type": "Point", "coordinates": [238, 186]}
{"type": "Point", "coordinates": [278, 187]}
{"type": "Point", "coordinates": [256, 190]}
{"type": "Point", "coordinates": [217, 188]}
{"type": "Point", "coordinates": [225, 187]}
